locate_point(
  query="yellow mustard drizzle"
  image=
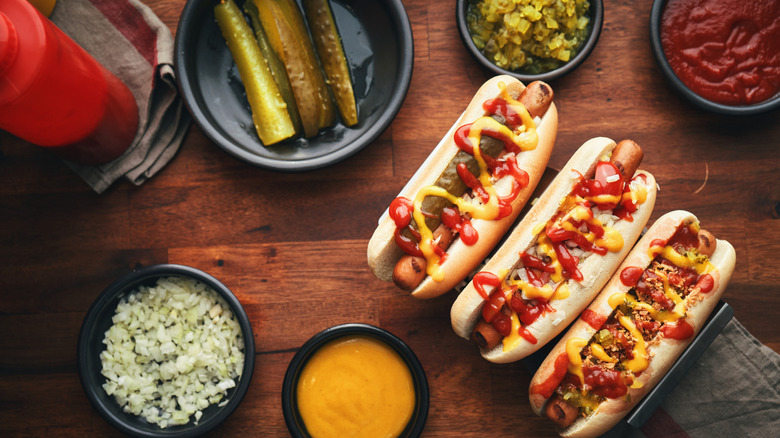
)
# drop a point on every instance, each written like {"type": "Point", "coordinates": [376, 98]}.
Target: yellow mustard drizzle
{"type": "Point", "coordinates": [604, 199]}
{"type": "Point", "coordinates": [611, 240]}
{"type": "Point", "coordinates": [524, 137]}
{"type": "Point", "coordinates": [681, 261]}
{"type": "Point", "coordinates": [617, 299]}
{"type": "Point", "coordinates": [514, 338]}
{"type": "Point", "coordinates": [659, 315]}
{"type": "Point", "coordinates": [637, 195]}
{"type": "Point", "coordinates": [538, 228]}
{"type": "Point", "coordinates": [531, 292]}
{"type": "Point", "coordinates": [654, 251]}
{"type": "Point", "coordinates": [545, 246]}
{"type": "Point", "coordinates": [641, 359]}
{"type": "Point", "coordinates": [573, 348]}
{"type": "Point", "coordinates": [600, 354]}
{"type": "Point", "coordinates": [679, 303]}
{"type": "Point", "coordinates": [561, 292]}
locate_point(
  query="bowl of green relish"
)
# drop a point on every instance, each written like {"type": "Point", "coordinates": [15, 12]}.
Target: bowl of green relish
{"type": "Point", "coordinates": [531, 39]}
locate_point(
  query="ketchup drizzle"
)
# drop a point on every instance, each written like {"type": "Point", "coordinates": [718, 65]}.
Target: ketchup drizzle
{"type": "Point", "coordinates": [452, 218]}
{"type": "Point", "coordinates": [567, 260]}
{"type": "Point", "coordinates": [630, 275]}
{"type": "Point", "coordinates": [485, 279]}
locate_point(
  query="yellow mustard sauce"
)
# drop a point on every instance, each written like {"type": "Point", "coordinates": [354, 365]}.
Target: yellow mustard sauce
{"type": "Point", "coordinates": [355, 386]}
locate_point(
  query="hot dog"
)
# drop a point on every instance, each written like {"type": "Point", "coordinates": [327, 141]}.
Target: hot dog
{"type": "Point", "coordinates": [469, 191]}
{"type": "Point", "coordinates": [636, 328]}
{"type": "Point", "coordinates": [560, 255]}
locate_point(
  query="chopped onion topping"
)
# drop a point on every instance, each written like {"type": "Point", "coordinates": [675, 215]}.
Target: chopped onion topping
{"type": "Point", "coordinates": [174, 349]}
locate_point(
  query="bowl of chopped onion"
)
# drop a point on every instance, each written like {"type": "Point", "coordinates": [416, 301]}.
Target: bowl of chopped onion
{"type": "Point", "coordinates": [530, 39]}
{"type": "Point", "coordinates": [166, 350]}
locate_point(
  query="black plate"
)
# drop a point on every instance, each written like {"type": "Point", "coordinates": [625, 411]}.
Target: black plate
{"type": "Point", "coordinates": [377, 39]}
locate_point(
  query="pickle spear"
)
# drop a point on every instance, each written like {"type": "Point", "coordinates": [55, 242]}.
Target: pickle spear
{"type": "Point", "coordinates": [283, 24]}
{"type": "Point", "coordinates": [269, 111]}
{"type": "Point", "coordinates": [334, 62]}
{"type": "Point", "coordinates": [451, 182]}
{"type": "Point", "coordinates": [275, 65]}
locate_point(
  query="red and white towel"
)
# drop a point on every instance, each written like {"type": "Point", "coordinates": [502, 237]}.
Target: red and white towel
{"type": "Point", "coordinates": [131, 41]}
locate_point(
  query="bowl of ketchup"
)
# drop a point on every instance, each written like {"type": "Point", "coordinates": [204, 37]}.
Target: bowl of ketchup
{"type": "Point", "coordinates": [721, 55]}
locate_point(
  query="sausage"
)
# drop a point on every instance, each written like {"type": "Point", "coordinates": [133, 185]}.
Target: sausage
{"type": "Point", "coordinates": [536, 97]}
{"type": "Point", "coordinates": [486, 336]}
{"type": "Point", "coordinates": [560, 412]}
{"type": "Point", "coordinates": [409, 272]}
{"type": "Point", "coordinates": [707, 243]}
{"type": "Point", "coordinates": [443, 236]}
{"type": "Point", "coordinates": [626, 157]}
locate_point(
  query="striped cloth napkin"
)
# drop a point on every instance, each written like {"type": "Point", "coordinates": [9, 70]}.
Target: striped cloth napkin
{"type": "Point", "coordinates": [131, 41]}
{"type": "Point", "coordinates": [733, 390]}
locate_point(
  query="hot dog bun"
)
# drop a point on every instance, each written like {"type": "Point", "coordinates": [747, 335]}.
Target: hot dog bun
{"type": "Point", "coordinates": [383, 252]}
{"type": "Point", "coordinates": [662, 351]}
{"type": "Point", "coordinates": [596, 269]}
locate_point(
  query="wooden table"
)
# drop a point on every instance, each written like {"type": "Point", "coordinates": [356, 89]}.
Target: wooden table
{"type": "Point", "coordinates": [292, 246]}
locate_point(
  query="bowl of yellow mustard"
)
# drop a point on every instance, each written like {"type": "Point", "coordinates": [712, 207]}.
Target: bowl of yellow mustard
{"type": "Point", "coordinates": [530, 39]}
{"type": "Point", "coordinates": [355, 380]}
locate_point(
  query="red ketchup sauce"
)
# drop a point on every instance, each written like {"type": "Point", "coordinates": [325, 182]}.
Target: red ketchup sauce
{"type": "Point", "coordinates": [593, 319]}
{"type": "Point", "coordinates": [401, 213]}
{"type": "Point", "coordinates": [527, 311]}
{"type": "Point", "coordinates": [706, 283]}
{"type": "Point", "coordinates": [627, 205]}
{"type": "Point", "coordinates": [607, 181]}
{"type": "Point", "coordinates": [546, 388]}
{"type": "Point", "coordinates": [630, 276]}
{"type": "Point", "coordinates": [485, 279]}
{"type": "Point", "coordinates": [680, 330]}
{"type": "Point", "coordinates": [454, 221]}
{"type": "Point", "coordinates": [726, 51]}
{"type": "Point", "coordinates": [528, 336]}
{"type": "Point", "coordinates": [604, 382]}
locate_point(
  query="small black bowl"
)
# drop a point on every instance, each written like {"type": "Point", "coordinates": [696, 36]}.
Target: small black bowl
{"type": "Point", "coordinates": [289, 399]}
{"type": "Point", "coordinates": [656, 15]}
{"type": "Point", "coordinates": [596, 21]}
{"type": "Point", "coordinates": [377, 39]}
{"type": "Point", "coordinates": [90, 345]}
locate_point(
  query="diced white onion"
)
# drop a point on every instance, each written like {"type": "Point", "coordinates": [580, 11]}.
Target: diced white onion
{"type": "Point", "coordinates": [174, 349]}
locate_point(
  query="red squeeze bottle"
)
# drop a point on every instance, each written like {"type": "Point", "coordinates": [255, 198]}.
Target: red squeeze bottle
{"type": "Point", "coordinates": [56, 95]}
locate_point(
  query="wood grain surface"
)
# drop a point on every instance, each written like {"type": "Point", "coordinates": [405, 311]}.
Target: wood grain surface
{"type": "Point", "coordinates": [293, 246]}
